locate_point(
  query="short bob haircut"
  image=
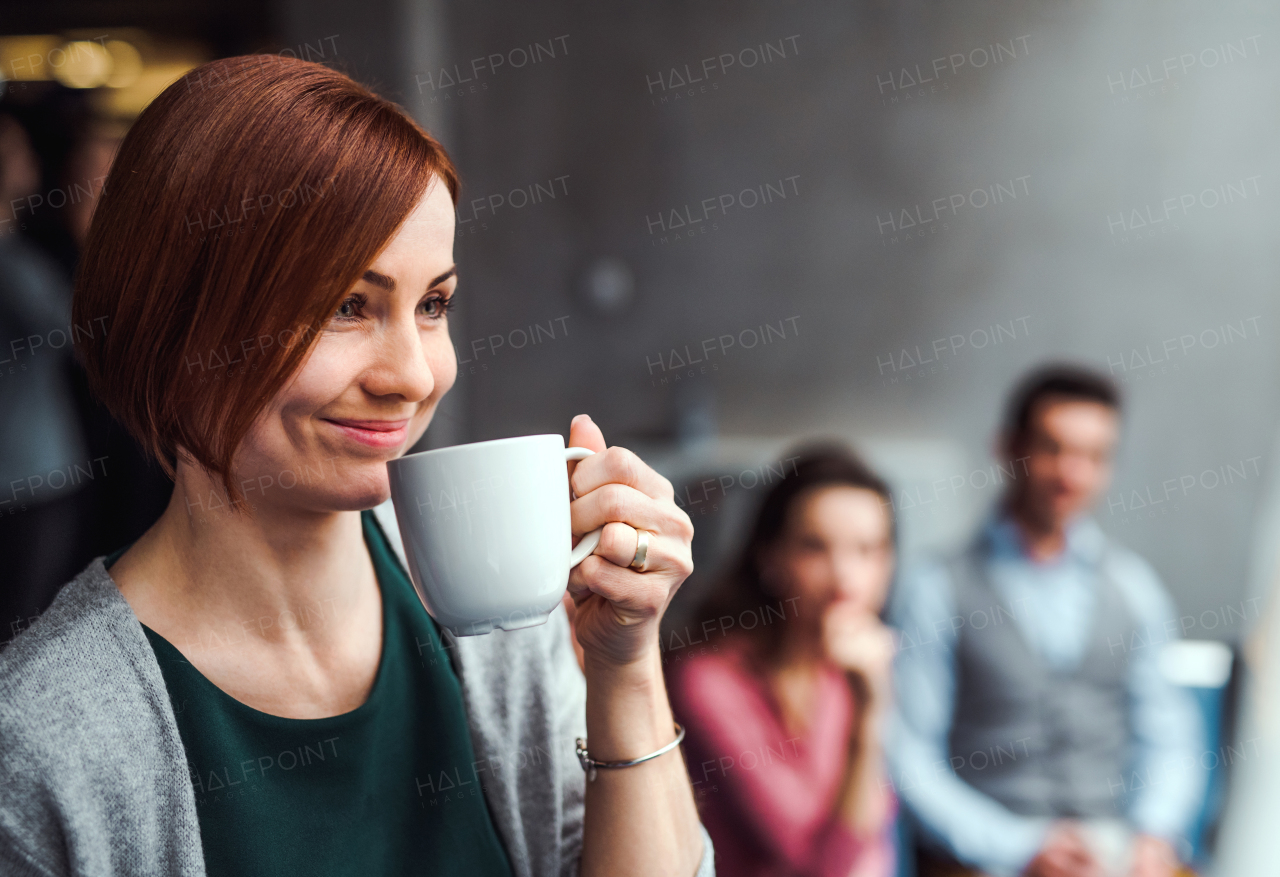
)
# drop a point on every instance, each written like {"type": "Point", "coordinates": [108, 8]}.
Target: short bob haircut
{"type": "Point", "coordinates": [243, 205]}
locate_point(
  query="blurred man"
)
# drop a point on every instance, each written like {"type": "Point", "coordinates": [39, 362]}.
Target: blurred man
{"type": "Point", "coordinates": [1036, 734]}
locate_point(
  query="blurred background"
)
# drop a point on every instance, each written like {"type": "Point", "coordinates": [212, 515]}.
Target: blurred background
{"type": "Point", "coordinates": [722, 228]}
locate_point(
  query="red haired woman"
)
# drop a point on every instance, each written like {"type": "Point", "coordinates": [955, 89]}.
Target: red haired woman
{"type": "Point", "coordinates": [253, 687]}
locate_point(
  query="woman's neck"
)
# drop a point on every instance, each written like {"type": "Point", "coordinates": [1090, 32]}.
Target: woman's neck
{"type": "Point", "coordinates": [247, 566]}
{"type": "Point", "coordinates": [792, 665]}
{"type": "Point", "coordinates": [799, 647]}
{"type": "Point", "coordinates": [280, 609]}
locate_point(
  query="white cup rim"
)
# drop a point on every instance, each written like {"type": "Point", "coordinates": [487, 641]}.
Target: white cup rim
{"type": "Point", "coordinates": [484, 444]}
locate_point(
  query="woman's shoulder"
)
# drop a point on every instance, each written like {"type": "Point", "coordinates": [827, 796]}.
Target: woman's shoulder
{"type": "Point", "coordinates": [90, 755]}
{"type": "Point", "coordinates": [78, 670]}
{"type": "Point", "coordinates": [45, 647]}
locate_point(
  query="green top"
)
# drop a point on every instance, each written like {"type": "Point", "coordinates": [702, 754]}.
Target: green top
{"type": "Point", "coordinates": [392, 787]}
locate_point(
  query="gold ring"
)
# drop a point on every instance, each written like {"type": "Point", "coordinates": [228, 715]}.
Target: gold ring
{"type": "Point", "coordinates": [641, 561]}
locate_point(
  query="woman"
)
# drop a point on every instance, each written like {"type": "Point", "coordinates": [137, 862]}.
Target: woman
{"type": "Point", "coordinates": [784, 713]}
{"type": "Point", "coordinates": [252, 687]}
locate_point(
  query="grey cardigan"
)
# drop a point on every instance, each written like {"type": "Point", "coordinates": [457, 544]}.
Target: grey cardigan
{"type": "Point", "coordinates": [94, 778]}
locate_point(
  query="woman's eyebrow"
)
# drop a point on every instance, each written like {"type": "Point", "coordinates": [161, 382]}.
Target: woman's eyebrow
{"type": "Point", "coordinates": [383, 281]}
{"type": "Point", "coordinates": [380, 280]}
{"type": "Point", "coordinates": [443, 277]}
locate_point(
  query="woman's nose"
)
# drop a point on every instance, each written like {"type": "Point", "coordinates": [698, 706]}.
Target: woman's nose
{"type": "Point", "coordinates": [403, 367]}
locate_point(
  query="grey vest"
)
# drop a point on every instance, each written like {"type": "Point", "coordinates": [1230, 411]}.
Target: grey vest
{"type": "Point", "coordinates": [1041, 742]}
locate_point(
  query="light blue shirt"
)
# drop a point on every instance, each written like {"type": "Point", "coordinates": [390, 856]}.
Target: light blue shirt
{"type": "Point", "coordinates": [1052, 605]}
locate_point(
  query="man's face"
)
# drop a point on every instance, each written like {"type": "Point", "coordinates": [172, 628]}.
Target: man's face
{"type": "Point", "coordinates": [1068, 448]}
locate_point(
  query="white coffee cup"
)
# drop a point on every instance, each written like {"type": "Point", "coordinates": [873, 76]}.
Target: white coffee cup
{"type": "Point", "coordinates": [486, 530]}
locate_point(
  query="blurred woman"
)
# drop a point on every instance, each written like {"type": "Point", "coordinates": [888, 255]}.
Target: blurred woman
{"type": "Point", "coordinates": [784, 713]}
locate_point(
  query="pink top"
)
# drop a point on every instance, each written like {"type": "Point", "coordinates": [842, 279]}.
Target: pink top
{"type": "Point", "coordinates": [768, 797]}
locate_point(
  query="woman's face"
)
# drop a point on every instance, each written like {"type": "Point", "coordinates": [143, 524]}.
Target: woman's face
{"type": "Point", "coordinates": [371, 383]}
{"type": "Point", "coordinates": [836, 546]}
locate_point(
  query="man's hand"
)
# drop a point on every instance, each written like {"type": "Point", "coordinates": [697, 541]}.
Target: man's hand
{"type": "Point", "coordinates": [1153, 857]}
{"type": "Point", "coordinates": [1064, 854]}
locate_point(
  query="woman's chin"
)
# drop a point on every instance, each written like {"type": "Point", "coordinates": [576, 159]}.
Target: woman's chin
{"type": "Point", "coordinates": [354, 502]}
{"type": "Point", "coordinates": [358, 494]}
{"type": "Point", "coordinates": [370, 498]}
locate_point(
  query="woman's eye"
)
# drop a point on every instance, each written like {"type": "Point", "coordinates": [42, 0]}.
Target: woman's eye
{"type": "Point", "coordinates": [437, 306]}
{"type": "Point", "coordinates": [349, 310]}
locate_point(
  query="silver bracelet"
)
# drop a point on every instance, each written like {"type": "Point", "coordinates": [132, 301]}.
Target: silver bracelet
{"type": "Point", "coordinates": [589, 764]}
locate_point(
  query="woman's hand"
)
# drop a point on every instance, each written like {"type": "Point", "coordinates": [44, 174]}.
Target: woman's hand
{"type": "Point", "coordinates": [641, 820]}
{"type": "Point", "coordinates": [617, 608]}
{"type": "Point", "coordinates": [859, 643]}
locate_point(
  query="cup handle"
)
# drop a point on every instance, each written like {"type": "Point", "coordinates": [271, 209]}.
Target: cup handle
{"type": "Point", "coordinates": [587, 543]}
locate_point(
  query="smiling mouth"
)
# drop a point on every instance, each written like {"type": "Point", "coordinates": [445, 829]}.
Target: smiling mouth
{"type": "Point", "coordinates": [377, 433]}
{"type": "Point", "coordinates": [373, 425]}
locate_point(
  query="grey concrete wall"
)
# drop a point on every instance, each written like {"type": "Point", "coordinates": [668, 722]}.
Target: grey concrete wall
{"type": "Point", "coordinates": [1046, 135]}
